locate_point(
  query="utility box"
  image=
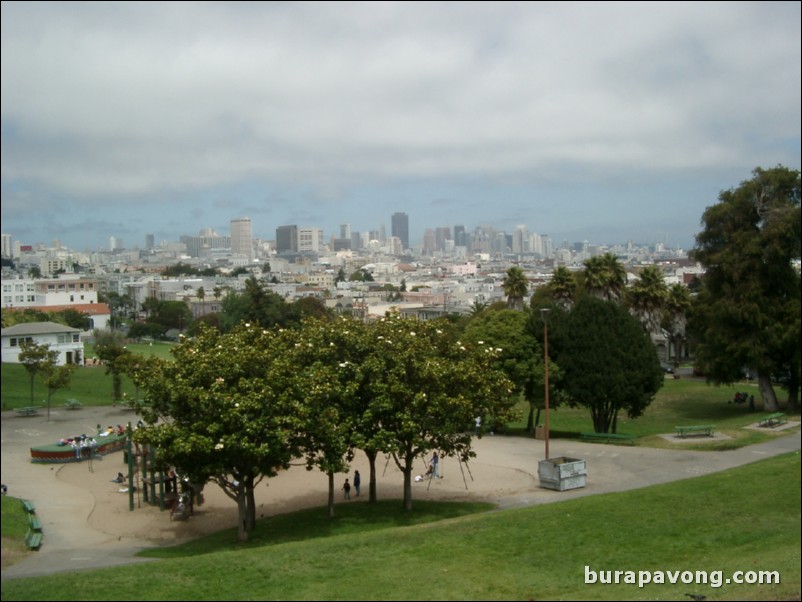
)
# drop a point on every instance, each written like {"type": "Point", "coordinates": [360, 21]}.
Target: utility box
{"type": "Point", "coordinates": [540, 433]}
{"type": "Point", "coordinates": [562, 473]}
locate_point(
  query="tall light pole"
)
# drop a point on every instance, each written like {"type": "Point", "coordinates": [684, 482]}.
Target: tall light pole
{"type": "Point", "coordinates": [544, 315]}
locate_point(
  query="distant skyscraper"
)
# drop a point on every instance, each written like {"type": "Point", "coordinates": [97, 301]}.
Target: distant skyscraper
{"type": "Point", "coordinates": [459, 236]}
{"type": "Point", "coordinates": [400, 228]}
{"type": "Point", "coordinates": [241, 240]}
{"type": "Point", "coordinates": [310, 240]}
{"type": "Point", "coordinates": [287, 239]}
{"type": "Point", "coordinates": [6, 245]}
{"type": "Point", "coordinates": [345, 231]}
{"type": "Point", "coordinates": [150, 241]}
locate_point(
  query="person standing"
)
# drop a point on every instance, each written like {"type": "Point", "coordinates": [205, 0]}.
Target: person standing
{"type": "Point", "coordinates": [346, 490]}
{"type": "Point", "coordinates": [357, 482]}
{"type": "Point", "coordinates": [435, 467]}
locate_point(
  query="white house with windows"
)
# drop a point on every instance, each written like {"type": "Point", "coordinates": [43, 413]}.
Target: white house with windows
{"type": "Point", "coordinates": [63, 339]}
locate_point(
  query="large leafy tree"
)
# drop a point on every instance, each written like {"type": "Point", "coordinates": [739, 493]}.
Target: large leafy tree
{"type": "Point", "coordinates": [516, 287]}
{"type": "Point", "coordinates": [562, 287]}
{"type": "Point", "coordinates": [748, 310]}
{"type": "Point", "coordinates": [520, 355]}
{"type": "Point", "coordinates": [34, 357]}
{"type": "Point", "coordinates": [225, 409]}
{"type": "Point", "coordinates": [426, 390]}
{"type": "Point", "coordinates": [109, 347]}
{"type": "Point", "coordinates": [609, 363]}
{"type": "Point", "coordinates": [55, 377]}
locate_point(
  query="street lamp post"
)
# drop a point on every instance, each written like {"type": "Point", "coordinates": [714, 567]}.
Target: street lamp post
{"type": "Point", "coordinates": [544, 314]}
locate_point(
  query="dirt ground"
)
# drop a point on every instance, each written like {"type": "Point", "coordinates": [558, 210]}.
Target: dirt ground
{"type": "Point", "coordinates": [87, 520]}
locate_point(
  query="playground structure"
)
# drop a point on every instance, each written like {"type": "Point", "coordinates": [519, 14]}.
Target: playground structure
{"type": "Point", "coordinates": [153, 483]}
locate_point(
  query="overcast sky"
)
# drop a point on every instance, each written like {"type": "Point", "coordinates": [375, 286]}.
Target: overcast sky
{"type": "Point", "coordinates": [586, 121]}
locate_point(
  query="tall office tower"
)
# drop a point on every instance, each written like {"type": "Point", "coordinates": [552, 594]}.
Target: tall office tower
{"type": "Point", "coordinates": [382, 234]}
{"type": "Point", "coordinates": [459, 236]}
{"type": "Point", "coordinates": [6, 245]}
{"type": "Point", "coordinates": [345, 231]}
{"type": "Point", "coordinates": [400, 228]}
{"type": "Point", "coordinates": [536, 244]}
{"type": "Point", "coordinates": [441, 235]}
{"type": "Point", "coordinates": [113, 243]}
{"type": "Point", "coordinates": [310, 240]}
{"type": "Point", "coordinates": [548, 246]}
{"type": "Point", "coordinates": [429, 241]}
{"type": "Point", "coordinates": [150, 241]}
{"type": "Point", "coordinates": [287, 239]}
{"type": "Point", "coordinates": [241, 240]}
{"type": "Point", "coordinates": [520, 240]}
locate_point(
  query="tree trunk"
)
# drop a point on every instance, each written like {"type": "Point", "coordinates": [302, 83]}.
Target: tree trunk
{"type": "Point", "coordinates": [770, 403]}
{"type": "Point", "coordinates": [371, 454]}
{"type": "Point", "coordinates": [537, 416]}
{"type": "Point", "coordinates": [250, 501]}
{"type": "Point", "coordinates": [530, 422]}
{"type": "Point", "coordinates": [407, 469]}
{"type": "Point", "coordinates": [242, 514]}
{"type": "Point", "coordinates": [330, 474]}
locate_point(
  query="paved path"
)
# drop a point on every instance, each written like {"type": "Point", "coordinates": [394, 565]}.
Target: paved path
{"type": "Point", "coordinates": [504, 472]}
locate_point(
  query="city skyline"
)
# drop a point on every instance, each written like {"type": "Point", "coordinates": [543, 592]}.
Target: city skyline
{"type": "Point", "coordinates": [604, 122]}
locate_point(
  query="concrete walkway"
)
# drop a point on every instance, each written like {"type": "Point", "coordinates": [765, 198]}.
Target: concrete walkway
{"type": "Point", "coordinates": [504, 472]}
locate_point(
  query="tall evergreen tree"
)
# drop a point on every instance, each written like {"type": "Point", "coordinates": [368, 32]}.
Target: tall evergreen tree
{"type": "Point", "coordinates": [748, 310]}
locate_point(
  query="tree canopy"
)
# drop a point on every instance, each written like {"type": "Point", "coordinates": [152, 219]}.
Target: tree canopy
{"type": "Point", "coordinates": [748, 309]}
{"type": "Point", "coordinates": [609, 363]}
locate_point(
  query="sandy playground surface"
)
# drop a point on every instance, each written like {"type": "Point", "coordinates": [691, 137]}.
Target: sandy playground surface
{"type": "Point", "coordinates": [81, 509]}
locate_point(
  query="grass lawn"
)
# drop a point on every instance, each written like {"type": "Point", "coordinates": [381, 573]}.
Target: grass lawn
{"type": "Point", "coordinates": [14, 524]}
{"type": "Point", "coordinates": [744, 519]}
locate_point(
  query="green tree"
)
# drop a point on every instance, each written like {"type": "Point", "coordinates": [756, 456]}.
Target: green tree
{"type": "Point", "coordinates": [329, 376]}
{"type": "Point", "coordinates": [34, 357]}
{"type": "Point", "coordinates": [426, 391]}
{"type": "Point", "coordinates": [675, 319]}
{"type": "Point", "coordinates": [605, 277]}
{"type": "Point", "coordinates": [109, 347]}
{"type": "Point", "coordinates": [748, 309]}
{"type": "Point", "coordinates": [225, 409]}
{"type": "Point", "coordinates": [562, 287]}
{"type": "Point", "coordinates": [646, 298]}
{"type": "Point", "coordinates": [55, 377]}
{"type": "Point", "coordinates": [520, 355]}
{"type": "Point", "coordinates": [516, 287]}
{"type": "Point", "coordinates": [609, 363]}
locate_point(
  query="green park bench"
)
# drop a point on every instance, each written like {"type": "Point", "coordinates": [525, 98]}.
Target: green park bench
{"type": "Point", "coordinates": [28, 411]}
{"type": "Point", "coordinates": [29, 506]}
{"type": "Point", "coordinates": [33, 539]}
{"type": "Point", "coordinates": [34, 522]}
{"type": "Point", "coordinates": [706, 430]}
{"type": "Point", "coordinates": [72, 404]}
{"type": "Point", "coordinates": [608, 437]}
{"type": "Point", "coordinates": [773, 420]}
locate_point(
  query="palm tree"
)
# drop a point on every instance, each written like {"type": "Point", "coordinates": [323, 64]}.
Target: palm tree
{"type": "Point", "coordinates": [678, 305]}
{"type": "Point", "coordinates": [562, 287]}
{"type": "Point", "coordinates": [516, 286]}
{"type": "Point", "coordinates": [647, 297]}
{"type": "Point", "coordinates": [605, 277]}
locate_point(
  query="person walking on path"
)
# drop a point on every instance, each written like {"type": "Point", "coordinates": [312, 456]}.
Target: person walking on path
{"type": "Point", "coordinates": [357, 482]}
{"type": "Point", "coordinates": [435, 468]}
{"type": "Point", "coordinates": [347, 490]}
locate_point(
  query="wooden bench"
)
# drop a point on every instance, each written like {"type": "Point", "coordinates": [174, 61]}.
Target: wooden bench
{"type": "Point", "coordinates": [34, 522]}
{"type": "Point", "coordinates": [608, 437]}
{"type": "Point", "coordinates": [72, 404]}
{"type": "Point", "coordinates": [29, 411]}
{"type": "Point", "coordinates": [773, 420]}
{"type": "Point", "coordinates": [33, 539]}
{"type": "Point", "coordinates": [705, 430]}
{"type": "Point", "coordinates": [29, 506]}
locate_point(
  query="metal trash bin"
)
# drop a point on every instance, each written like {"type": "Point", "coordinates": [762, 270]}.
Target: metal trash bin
{"type": "Point", "coordinates": [562, 473]}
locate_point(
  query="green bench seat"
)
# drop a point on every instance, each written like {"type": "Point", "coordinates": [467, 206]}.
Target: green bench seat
{"type": "Point", "coordinates": [608, 437]}
{"type": "Point", "coordinates": [29, 411]}
{"type": "Point", "coordinates": [34, 522]}
{"type": "Point", "coordinates": [706, 430]}
{"type": "Point", "coordinates": [33, 539]}
{"type": "Point", "coordinates": [29, 506]}
{"type": "Point", "coordinates": [773, 420]}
